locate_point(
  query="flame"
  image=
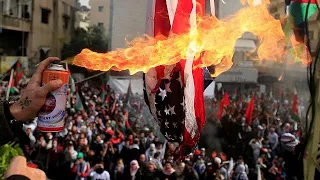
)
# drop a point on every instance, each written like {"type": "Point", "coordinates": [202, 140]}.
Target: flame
{"type": "Point", "coordinates": [213, 39]}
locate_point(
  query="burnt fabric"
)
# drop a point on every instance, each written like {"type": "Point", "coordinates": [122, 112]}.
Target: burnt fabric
{"type": "Point", "coordinates": [174, 93]}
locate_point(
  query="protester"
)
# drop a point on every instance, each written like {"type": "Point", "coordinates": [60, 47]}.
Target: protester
{"type": "Point", "coordinates": [98, 173]}
{"type": "Point", "coordinates": [106, 129]}
{"type": "Point", "coordinates": [168, 172]}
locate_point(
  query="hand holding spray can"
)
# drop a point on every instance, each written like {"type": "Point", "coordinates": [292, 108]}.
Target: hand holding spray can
{"type": "Point", "coordinates": [51, 114]}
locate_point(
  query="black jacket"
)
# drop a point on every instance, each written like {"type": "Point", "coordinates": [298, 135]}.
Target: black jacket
{"type": "Point", "coordinates": [8, 131]}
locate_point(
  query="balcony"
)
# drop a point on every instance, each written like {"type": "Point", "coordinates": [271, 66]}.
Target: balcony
{"type": "Point", "coordinates": [15, 23]}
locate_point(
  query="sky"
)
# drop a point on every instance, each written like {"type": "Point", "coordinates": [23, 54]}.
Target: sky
{"type": "Point", "coordinates": [85, 3]}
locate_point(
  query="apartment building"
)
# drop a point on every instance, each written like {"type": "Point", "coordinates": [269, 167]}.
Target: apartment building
{"type": "Point", "coordinates": [243, 74]}
{"type": "Point", "coordinates": [82, 18]}
{"type": "Point", "coordinates": [35, 28]}
{"type": "Point", "coordinates": [100, 13]}
{"type": "Point", "coordinates": [122, 19]}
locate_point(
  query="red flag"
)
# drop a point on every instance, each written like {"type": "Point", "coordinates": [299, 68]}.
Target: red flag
{"type": "Point", "coordinates": [19, 73]}
{"type": "Point", "coordinates": [249, 111]}
{"type": "Point", "coordinates": [295, 103]}
{"type": "Point", "coordinates": [224, 102]}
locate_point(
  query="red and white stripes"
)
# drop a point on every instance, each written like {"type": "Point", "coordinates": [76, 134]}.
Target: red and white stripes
{"type": "Point", "coordinates": [178, 17]}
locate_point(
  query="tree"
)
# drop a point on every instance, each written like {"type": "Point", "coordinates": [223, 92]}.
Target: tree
{"type": "Point", "coordinates": [94, 39]}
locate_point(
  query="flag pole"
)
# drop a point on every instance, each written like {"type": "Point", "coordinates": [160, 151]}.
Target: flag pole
{"type": "Point", "coordinates": [9, 85]}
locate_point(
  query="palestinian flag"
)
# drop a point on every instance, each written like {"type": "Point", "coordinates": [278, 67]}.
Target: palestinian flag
{"type": "Point", "coordinates": [103, 93]}
{"type": "Point", "coordinates": [78, 106]}
{"type": "Point", "coordinates": [295, 106]}
{"type": "Point", "coordinates": [19, 73]}
{"type": "Point", "coordinates": [298, 10]}
{"type": "Point", "coordinates": [16, 77]}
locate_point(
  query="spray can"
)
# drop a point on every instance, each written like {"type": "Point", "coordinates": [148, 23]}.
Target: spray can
{"type": "Point", "coordinates": [51, 114]}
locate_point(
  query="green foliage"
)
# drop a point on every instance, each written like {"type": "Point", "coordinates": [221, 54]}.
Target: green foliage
{"type": "Point", "coordinates": [7, 152]}
{"type": "Point", "coordinates": [94, 39]}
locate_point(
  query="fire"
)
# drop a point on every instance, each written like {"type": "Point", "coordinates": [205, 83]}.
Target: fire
{"type": "Point", "coordinates": [213, 39]}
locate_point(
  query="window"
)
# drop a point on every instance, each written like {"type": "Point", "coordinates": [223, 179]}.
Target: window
{"type": "Point", "coordinates": [277, 16]}
{"type": "Point", "coordinates": [101, 8]}
{"type": "Point", "coordinates": [66, 19]}
{"type": "Point", "coordinates": [44, 53]}
{"type": "Point", "coordinates": [45, 15]}
{"type": "Point", "coordinates": [100, 24]}
{"type": "Point", "coordinates": [311, 35]}
{"type": "Point", "coordinates": [25, 11]}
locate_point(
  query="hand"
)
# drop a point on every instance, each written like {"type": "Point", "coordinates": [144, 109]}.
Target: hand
{"type": "Point", "coordinates": [18, 166]}
{"type": "Point", "coordinates": [33, 97]}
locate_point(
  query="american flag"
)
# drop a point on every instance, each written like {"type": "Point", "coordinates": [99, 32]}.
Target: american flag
{"type": "Point", "coordinates": [174, 93]}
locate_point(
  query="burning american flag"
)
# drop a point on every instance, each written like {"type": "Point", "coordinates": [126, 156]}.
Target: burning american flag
{"type": "Point", "coordinates": [180, 41]}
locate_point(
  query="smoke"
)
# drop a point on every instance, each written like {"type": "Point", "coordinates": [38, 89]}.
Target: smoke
{"type": "Point", "coordinates": [210, 135]}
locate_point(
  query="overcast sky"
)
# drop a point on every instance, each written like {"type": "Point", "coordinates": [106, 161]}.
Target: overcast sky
{"type": "Point", "coordinates": [85, 3]}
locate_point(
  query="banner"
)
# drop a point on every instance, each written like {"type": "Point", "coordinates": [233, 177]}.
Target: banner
{"type": "Point", "coordinates": [6, 63]}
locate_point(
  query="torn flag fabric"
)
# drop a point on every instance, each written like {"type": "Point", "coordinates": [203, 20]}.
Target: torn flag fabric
{"type": "Point", "coordinates": [174, 93]}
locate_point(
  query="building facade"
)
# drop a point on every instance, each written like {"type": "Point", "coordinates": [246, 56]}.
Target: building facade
{"type": "Point", "coordinates": [82, 18]}
{"type": "Point", "coordinates": [123, 19]}
{"type": "Point", "coordinates": [100, 14]}
{"type": "Point", "coordinates": [35, 28]}
{"type": "Point", "coordinates": [243, 74]}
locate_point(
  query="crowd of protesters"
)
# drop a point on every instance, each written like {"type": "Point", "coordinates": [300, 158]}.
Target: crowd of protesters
{"type": "Point", "coordinates": [107, 138]}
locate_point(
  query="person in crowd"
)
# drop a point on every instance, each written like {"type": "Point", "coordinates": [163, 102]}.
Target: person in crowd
{"type": "Point", "coordinates": [81, 168]}
{"type": "Point", "coordinates": [256, 145]}
{"type": "Point", "coordinates": [210, 172]}
{"type": "Point", "coordinates": [31, 136]}
{"type": "Point", "coordinates": [189, 172]}
{"type": "Point", "coordinates": [150, 152]}
{"type": "Point", "coordinates": [200, 167]}
{"type": "Point", "coordinates": [152, 172]}
{"type": "Point", "coordinates": [241, 162]}
{"type": "Point", "coordinates": [119, 170]}
{"type": "Point", "coordinates": [168, 172]}
{"type": "Point", "coordinates": [98, 172]}
{"type": "Point", "coordinates": [142, 163]}
{"type": "Point", "coordinates": [149, 139]}
{"type": "Point", "coordinates": [108, 129]}
{"type": "Point", "coordinates": [133, 172]}
{"type": "Point", "coordinates": [224, 170]}
{"type": "Point", "coordinates": [274, 141]}
{"type": "Point", "coordinates": [157, 160]}
{"type": "Point", "coordinates": [179, 167]}
{"type": "Point", "coordinates": [125, 151]}
{"type": "Point", "coordinates": [241, 174]}
{"type": "Point", "coordinates": [70, 151]}
{"type": "Point", "coordinates": [134, 150]}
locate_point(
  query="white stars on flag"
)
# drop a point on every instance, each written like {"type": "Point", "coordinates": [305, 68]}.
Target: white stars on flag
{"type": "Point", "coordinates": [166, 124]}
{"type": "Point", "coordinates": [172, 110]}
{"type": "Point", "coordinates": [162, 93]}
{"type": "Point", "coordinates": [167, 111]}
